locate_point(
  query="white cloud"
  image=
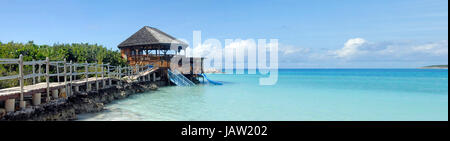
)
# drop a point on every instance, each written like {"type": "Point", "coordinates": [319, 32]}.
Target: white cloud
{"type": "Point", "coordinates": [351, 48]}
{"type": "Point", "coordinates": [354, 52]}
{"type": "Point", "coordinates": [437, 48]}
{"type": "Point", "coordinates": [359, 49]}
{"type": "Point", "coordinates": [292, 50]}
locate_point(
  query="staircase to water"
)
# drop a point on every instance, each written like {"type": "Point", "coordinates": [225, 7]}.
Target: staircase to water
{"type": "Point", "coordinates": [179, 79]}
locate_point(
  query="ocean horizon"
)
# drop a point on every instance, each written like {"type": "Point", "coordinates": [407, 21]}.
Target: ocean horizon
{"type": "Point", "coordinates": [299, 95]}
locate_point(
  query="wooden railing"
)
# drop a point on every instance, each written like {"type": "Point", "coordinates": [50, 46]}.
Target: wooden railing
{"type": "Point", "coordinates": [70, 71]}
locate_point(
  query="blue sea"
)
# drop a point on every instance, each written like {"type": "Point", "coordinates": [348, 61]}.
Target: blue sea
{"type": "Point", "coordinates": [299, 95]}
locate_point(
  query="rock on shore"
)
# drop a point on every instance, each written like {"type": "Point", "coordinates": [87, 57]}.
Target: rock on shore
{"type": "Point", "coordinates": [62, 109]}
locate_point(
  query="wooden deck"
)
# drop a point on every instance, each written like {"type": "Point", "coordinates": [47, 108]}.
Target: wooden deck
{"type": "Point", "coordinates": [103, 73]}
{"type": "Point", "coordinates": [14, 92]}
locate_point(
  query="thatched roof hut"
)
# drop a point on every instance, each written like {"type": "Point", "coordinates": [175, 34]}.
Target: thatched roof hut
{"type": "Point", "coordinates": [151, 46]}
{"type": "Point", "coordinates": [148, 36]}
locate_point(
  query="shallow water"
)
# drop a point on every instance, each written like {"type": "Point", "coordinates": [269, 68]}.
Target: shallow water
{"type": "Point", "coordinates": [300, 94]}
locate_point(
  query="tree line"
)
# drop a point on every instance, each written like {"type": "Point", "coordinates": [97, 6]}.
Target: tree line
{"type": "Point", "coordinates": [75, 52]}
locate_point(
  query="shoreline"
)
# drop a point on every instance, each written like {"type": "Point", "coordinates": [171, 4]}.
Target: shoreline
{"type": "Point", "coordinates": [80, 103]}
{"type": "Point", "coordinates": [444, 68]}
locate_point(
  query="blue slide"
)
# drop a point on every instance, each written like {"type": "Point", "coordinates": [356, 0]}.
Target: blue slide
{"type": "Point", "coordinates": [211, 81]}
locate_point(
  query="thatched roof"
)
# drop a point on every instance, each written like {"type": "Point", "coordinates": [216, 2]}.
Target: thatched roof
{"type": "Point", "coordinates": [150, 36]}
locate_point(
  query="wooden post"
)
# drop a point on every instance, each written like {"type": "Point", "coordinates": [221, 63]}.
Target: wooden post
{"type": "Point", "coordinates": [36, 99]}
{"type": "Point", "coordinates": [96, 77]}
{"type": "Point", "coordinates": [143, 76]}
{"type": "Point", "coordinates": [109, 76]}
{"type": "Point", "coordinates": [120, 75]}
{"type": "Point", "coordinates": [136, 69]}
{"type": "Point", "coordinates": [47, 77]}
{"type": "Point", "coordinates": [57, 72]}
{"type": "Point", "coordinates": [88, 88]}
{"type": "Point", "coordinates": [10, 105]}
{"type": "Point", "coordinates": [22, 103]}
{"type": "Point", "coordinates": [118, 70]}
{"type": "Point", "coordinates": [75, 71]}
{"type": "Point", "coordinates": [70, 78]}
{"type": "Point", "coordinates": [65, 78]}
{"type": "Point", "coordinates": [39, 70]}
{"type": "Point", "coordinates": [55, 93]}
{"type": "Point", "coordinates": [103, 75]}
{"type": "Point", "coordinates": [115, 72]}
{"type": "Point", "coordinates": [141, 70]}
{"type": "Point", "coordinates": [34, 72]}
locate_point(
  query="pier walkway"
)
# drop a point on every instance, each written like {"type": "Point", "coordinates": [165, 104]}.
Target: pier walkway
{"type": "Point", "coordinates": [67, 77]}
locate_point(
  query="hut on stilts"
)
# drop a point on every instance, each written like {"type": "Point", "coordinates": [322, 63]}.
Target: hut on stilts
{"type": "Point", "coordinates": [151, 46]}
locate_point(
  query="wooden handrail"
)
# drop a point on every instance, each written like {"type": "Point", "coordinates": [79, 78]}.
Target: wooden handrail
{"type": "Point", "coordinates": [69, 73]}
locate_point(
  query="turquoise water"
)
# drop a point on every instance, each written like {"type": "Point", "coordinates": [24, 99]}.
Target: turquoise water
{"type": "Point", "coordinates": [300, 94]}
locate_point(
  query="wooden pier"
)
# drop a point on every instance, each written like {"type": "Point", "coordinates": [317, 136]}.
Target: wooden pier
{"type": "Point", "coordinates": [92, 77]}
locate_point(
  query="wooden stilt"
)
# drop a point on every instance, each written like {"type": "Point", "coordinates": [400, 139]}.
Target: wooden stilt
{"type": "Point", "coordinates": [96, 77]}
{"type": "Point", "coordinates": [34, 72]}
{"type": "Point", "coordinates": [70, 79]}
{"type": "Point", "coordinates": [39, 73]}
{"type": "Point", "coordinates": [103, 76]}
{"type": "Point", "coordinates": [65, 78]}
{"type": "Point", "coordinates": [57, 72]}
{"type": "Point", "coordinates": [47, 77]}
{"type": "Point", "coordinates": [86, 74]}
{"type": "Point", "coordinates": [22, 103]}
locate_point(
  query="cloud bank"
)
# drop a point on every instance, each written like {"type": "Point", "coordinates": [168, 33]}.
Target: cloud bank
{"type": "Point", "coordinates": [354, 53]}
{"type": "Point", "coordinates": [358, 49]}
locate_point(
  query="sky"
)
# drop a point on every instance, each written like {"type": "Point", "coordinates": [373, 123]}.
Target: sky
{"type": "Point", "coordinates": [311, 34]}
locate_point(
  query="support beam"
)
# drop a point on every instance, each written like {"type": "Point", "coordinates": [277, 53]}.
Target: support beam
{"type": "Point", "coordinates": [47, 77]}
{"type": "Point", "coordinates": [136, 73]}
{"type": "Point", "coordinates": [109, 76]}
{"type": "Point", "coordinates": [22, 103]}
{"type": "Point", "coordinates": [75, 71]}
{"type": "Point", "coordinates": [96, 77]}
{"type": "Point", "coordinates": [39, 73]}
{"type": "Point", "coordinates": [141, 69]}
{"type": "Point", "coordinates": [34, 72]}
{"type": "Point", "coordinates": [103, 77]}
{"type": "Point", "coordinates": [66, 89]}
{"type": "Point", "coordinates": [120, 76]}
{"type": "Point", "coordinates": [88, 86]}
{"type": "Point", "coordinates": [70, 79]}
{"type": "Point", "coordinates": [57, 72]}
